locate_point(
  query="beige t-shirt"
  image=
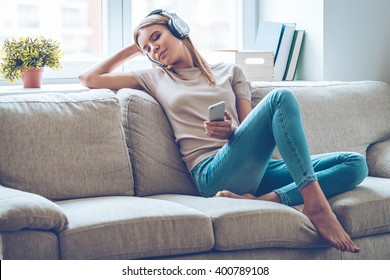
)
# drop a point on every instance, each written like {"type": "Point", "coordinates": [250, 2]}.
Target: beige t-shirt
{"type": "Point", "coordinates": [185, 101]}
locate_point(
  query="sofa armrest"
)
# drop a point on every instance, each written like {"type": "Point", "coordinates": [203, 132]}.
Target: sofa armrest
{"type": "Point", "coordinates": [23, 210]}
{"type": "Point", "coordinates": [378, 159]}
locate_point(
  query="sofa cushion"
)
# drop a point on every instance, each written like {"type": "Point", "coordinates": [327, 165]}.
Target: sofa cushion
{"type": "Point", "coordinates": [338, 116]}
{"type": "Point", "coordinates": [365, 210]}
{"type": "Point", "coordinates": [23, 210]}
{"type": "Point", "coordinates": [378, 159]}
{"type": "Point", "coordinates": [64, 146]}
{"type": "Point", "coordinates": [157, 164]}
{"type": "Point", "coordinates": [248, 224]}
{"type": "Point", "coordinates": [132, 227]}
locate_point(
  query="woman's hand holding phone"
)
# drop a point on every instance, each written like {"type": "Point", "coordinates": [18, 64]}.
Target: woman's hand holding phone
{"type": "Point", "coordinates": [220, 129]}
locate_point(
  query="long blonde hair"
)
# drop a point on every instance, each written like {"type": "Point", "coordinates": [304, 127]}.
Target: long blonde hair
{"type": "Point", "coordinates": [197, 59]}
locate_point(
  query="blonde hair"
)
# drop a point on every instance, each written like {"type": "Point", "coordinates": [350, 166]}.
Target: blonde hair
{"type": "Point", "coordinates": [197, 59]}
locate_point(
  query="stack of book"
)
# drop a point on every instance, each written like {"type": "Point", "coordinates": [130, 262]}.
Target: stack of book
{"type": "Point", "coordinates": [285, 42]}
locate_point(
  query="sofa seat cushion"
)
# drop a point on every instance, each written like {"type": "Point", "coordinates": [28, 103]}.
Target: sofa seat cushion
{"type": "Point", "coordinates": [120, 227]}
{"type": "Point", "coordinates": [63, 146]}
{"type": "Point", "coordinates": [365, 210]}
{"type": "Point", "coordinates": [157, 164]}
{"type": "Point", "coordinates": [248, 224]}
{"type": "Point", "coordinates": [338, 116]}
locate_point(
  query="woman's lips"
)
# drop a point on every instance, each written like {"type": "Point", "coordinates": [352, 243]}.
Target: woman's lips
{"type": "Point", "coordinates": [162, 55]}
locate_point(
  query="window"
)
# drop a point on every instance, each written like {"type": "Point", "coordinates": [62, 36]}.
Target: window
{"type": "Point", "coordinates": [75, 23]}
{"type": "Point", "coordinates": [92, 29]}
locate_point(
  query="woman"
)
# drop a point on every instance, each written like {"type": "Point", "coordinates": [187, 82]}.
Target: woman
{"type": "Point", "coordinates": [232, 157]}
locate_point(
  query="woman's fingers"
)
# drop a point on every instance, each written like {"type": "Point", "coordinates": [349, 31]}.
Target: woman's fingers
{"type": "Point", "coordinates": [220, 130]}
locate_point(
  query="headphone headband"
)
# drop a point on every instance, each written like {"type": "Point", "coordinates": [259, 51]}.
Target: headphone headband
{"type": "Point", "coordinates": [178, 27]}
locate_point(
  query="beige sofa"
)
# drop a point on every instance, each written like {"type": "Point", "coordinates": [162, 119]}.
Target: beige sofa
{"type": "Point", "coordinates": [98, 175]}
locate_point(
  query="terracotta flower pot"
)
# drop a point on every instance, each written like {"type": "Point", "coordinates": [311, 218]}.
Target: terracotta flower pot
{"type": "Point", "coordinates": [32, 77]}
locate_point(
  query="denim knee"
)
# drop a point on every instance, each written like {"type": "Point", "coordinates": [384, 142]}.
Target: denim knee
{"type": "Point", "coordinates": [359, 164]}
{"type": "Point", "coordinates": [283, 94]}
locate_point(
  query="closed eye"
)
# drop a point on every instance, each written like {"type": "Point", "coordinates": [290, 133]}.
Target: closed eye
{"type": "Point", "coordinates": [154, 37]}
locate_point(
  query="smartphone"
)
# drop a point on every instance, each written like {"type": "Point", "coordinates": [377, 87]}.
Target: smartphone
{"type": "Point", "coordinates": [217, 112]}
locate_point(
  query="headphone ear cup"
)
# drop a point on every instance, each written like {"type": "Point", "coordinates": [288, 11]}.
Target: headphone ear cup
{"type": "Point", "coordinates": [178, 27]}
{"type": "Point", "coordinates": [174, 31]}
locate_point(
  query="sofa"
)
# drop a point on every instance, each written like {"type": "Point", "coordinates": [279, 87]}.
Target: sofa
{"type": "Point", "coordinates": [98, 175]}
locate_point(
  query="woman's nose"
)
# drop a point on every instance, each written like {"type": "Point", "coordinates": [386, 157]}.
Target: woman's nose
{"type": "Point", "coordinates": [155, 48]}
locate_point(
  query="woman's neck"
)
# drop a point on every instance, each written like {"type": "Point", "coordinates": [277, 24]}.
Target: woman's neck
{"type": "Point", "coordinates": [185, 61]}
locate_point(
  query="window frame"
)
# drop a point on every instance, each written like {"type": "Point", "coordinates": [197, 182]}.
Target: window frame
{"type": "Point", "coordinates": [116, 34]}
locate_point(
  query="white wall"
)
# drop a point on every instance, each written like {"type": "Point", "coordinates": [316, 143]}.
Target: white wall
{"type": "Point", "coordinates": [357, 40]}
{"type": "Point", "coordinates": [345, 39]}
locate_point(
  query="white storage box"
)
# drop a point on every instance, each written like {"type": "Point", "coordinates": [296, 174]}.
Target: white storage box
{"type": "Point", "coordinates": [256, 65]}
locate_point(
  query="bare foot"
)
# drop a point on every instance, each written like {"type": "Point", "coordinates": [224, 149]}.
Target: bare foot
{"type": "Point", "coordinates": [318, 210]}
{"type": "Point", "coordinates": [267, 197]}
{"type": "Point", "coordinates": [234, 195]}
{"type": "Point", "coordinates": [331, 230]}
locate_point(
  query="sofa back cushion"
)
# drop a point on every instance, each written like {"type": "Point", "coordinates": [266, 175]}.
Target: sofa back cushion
{"type": "Point", "coordinates": [338, 116]}
{"type": "Point", "coordinates": [156, 160]}
{"type": "Point", "coordinates": [378, 159]}
{"type": "Point", "coordinates": [64, 146]}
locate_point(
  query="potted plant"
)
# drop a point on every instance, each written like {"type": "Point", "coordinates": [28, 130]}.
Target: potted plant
{"type": "Point", "coordinates": [23, 57]}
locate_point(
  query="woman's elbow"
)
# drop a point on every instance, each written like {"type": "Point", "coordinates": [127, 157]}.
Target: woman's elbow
{"type": "Point", "coordinates": [86, 80]}
{"type": "Point", "coordinates": [83, 78]}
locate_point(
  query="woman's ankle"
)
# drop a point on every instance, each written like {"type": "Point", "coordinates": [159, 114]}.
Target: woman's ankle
{"type": "Point", "coordinates": [313, 197]}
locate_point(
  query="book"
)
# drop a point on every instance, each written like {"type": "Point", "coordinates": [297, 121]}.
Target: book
{"type": "Point", "coordinates": [284, 50]}
{"type": "Point", "coordinates": [276, 37]}
{"type": "Point", "coordinates": [294, 55]}
{"type": "Point", "coordinates": [268, 37]}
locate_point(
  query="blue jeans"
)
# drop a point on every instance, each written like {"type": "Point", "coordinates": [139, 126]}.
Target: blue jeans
{"type": "Point", "coordinates": [244, 164]}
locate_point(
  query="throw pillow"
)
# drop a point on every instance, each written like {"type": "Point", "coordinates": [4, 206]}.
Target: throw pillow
{"type": "Point", "coordinates": [22, 210]}
{"type": "Point", "coordinates": [378, 159]}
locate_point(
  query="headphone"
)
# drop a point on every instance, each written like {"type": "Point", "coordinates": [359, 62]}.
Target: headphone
{"type": "Point", "coordinates": [178, 27]}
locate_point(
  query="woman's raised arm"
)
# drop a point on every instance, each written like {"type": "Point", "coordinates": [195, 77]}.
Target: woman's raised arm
{"type": "Point", "coordinates": [100, 75]}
